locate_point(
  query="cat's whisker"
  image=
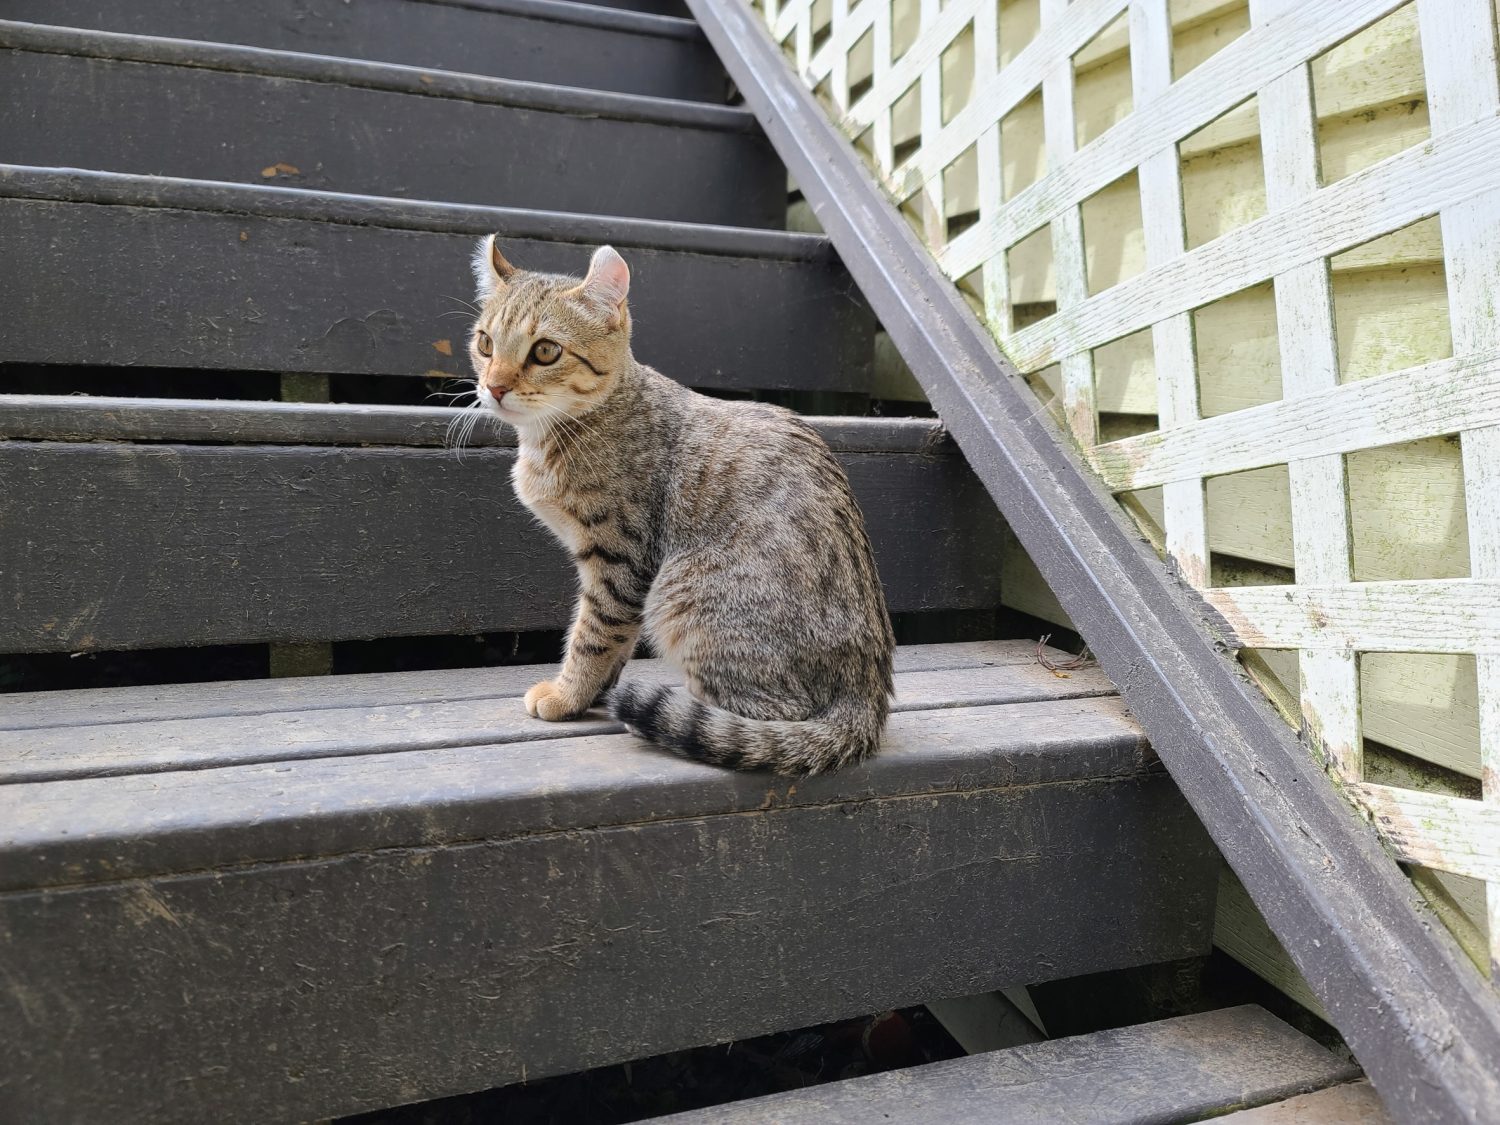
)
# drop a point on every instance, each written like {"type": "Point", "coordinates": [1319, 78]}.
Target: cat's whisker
{"type": "Point", "coordinates": [461, 426]}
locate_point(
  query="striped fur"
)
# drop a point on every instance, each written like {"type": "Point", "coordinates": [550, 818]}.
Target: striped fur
{"type": "Point", "coordinates": [724, 533]}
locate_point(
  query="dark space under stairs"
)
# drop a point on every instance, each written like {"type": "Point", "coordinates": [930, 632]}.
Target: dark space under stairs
{"type": "Point", "coordinates": [292, 898]}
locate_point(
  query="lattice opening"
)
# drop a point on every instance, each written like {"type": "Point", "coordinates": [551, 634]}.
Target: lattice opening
{"type": "Point", "coordinates": [1046, 384]}
{"type": "Point", "coordinates": [971, 286]}
{"type": "Point", "coordinates": [1425, 705]}
{"type": "Point", "coordinates": [1101, 81]}
{"type": "Point", "coordinates": [1407, 517]}
{"type": "Point", "coordinates": [861, 66]}
{"type": "Point", "coordinates": [1238, 351]}
{"type": "Point", "coordinates": [906, 124]}
{"type": "Point", "coordinates": [1223, 174]}
{"type": "Point", "coordinates": [906, 23]}
{"type": "Point", "coordinates": [1201, 29]}
{"type": "Point", "coordinates": [1371, 96]}
{"type": "Point", "coordinates": [961, 194]}
{"type": "Point", "coordinates": [1125, 386]}
{"type": "Point", "coordinates": [957, 73]}
{"type": "Point", "coordinates": [1030, 281]}
{"type": "Point", "coordinates": [789, 44]}
{"type": "Point", "coordinates": [822, 23]}
{"type": "Point", "coordinates": [1016, 25]}
{"type": "Point", "coordinates": [1390, 300]}
{"type": "Point", "coordinates": [1023, 152]}
{"type": "Point", "coordinates": [1114, 237]}
{"type": "Point", "coordinates": [1420, 717]}
{"type": "Point", "coordinates": [1250, 528]}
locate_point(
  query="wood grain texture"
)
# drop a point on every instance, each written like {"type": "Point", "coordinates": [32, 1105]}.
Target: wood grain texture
{"type": "Point", "coordinates": [141, 546]}
{"type": "Point", "coordinates": [307, 801]}
{"type": "Point", "coordinates": [1181, 1069]}
{"type": "Point", "coordinates": [529, 40]}
{"type": "Point", "coordinates": [1435, 830]}
{"type": "Point", "coordinates": [247, 115]}
{"type": "Point", "coordinates": [223, 957]}
{"type": "Point", "coordinates": [1443, 397]}
{"type": "Point", "coordinates": [1457, 616]}
{"type": "Point", "coordinates": [221, 422]}
{"type": "Point", "coordinates": [221, 276]}
{"type": "Point", "coordinates": [1350, 1103]}
{"type": "Point", "coordinates": [42, 709]}
{"type": "Point", "coordinates": [327, 723]}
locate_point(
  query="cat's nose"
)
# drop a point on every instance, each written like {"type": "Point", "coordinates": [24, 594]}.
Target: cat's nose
{"type": "Point", "coordinates": [497, 393]}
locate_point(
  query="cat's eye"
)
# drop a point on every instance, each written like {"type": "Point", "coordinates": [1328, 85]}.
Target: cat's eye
{"type": "Point", "coordinates": [545, 352]}
{"type": "Point", "coordinates": [485, 345]}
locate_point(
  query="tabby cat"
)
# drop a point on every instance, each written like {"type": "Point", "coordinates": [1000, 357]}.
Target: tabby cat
{"type": "Point", "coordinates": [726, 531]}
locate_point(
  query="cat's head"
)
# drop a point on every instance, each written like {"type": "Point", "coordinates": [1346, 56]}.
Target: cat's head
{"type": "Point", "coordinates": [545, 345]}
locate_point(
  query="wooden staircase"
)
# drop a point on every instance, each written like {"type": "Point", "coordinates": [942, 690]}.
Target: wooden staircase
{"type": "Point", "coordinates": [291, 898]}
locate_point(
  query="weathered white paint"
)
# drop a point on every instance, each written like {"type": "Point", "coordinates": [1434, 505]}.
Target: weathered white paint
{"type": "Point", "coordinates": [1267, 258]}
{"type": "Point", "coordinates": [1447, 397]}
{"type": "Point", "coordinates": [1447, 833]}
{"type": "Point", "coordinates": [1454, 616]}
{"type": "Point", "coordinates": [1463, 76]}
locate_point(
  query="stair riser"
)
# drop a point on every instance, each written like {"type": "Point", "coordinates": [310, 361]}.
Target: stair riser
{"type": "Point", "coordinates": [519, 958]}
{"type": "Point", "coordinates": [150, 546]}
{"type": "Point", "coordinates": [207, 290]}
{"type": "Point", "coordinates": [153, 119]}
{"type": "Point", "coordinates": [610, 52]}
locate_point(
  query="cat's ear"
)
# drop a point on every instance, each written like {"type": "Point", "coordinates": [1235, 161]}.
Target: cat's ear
{"type": "Point", "coordinates": [491, 270]}
{"type": "Point", "coordinates": [608, 281]}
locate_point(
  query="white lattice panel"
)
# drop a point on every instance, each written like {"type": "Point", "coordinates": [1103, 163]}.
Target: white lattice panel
{"type": "Point", "coordinates": [1248, 250]}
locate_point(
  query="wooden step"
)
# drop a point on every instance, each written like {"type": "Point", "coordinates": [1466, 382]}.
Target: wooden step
{"type": "Point", "coordinates": [207, 276]}
{"type": "Point", "coordinates": [160, 523]}
{"type": "Point", "coordinates": [212, 111]}
{"type": "Point", "coordinates": [321, 919]}
{"type": "Point", "coordinates": [658, 7]}
{"type": "Point", "coordinates": [528, 40]}
{"type": "Point", "coordinates": [1183, 1069]}
{"type": "Point", "coordinates": [1352, 1103]}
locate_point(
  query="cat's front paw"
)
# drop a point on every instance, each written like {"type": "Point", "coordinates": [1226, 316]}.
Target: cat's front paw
{"type": "Point", "coordinates": [546, 701]}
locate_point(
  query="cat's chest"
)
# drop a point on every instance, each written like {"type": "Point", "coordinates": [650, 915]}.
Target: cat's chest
{"type": "Point", "coordinates": [546, 496]}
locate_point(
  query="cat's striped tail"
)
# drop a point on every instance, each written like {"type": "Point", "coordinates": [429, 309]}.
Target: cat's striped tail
{"type": "Point", "coordinates": [849, 732]}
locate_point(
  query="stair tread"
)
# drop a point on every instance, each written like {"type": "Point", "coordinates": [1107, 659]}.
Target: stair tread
{"type": "Point", "coordinates": [424, 767]}
{"type": "Point", "coordinates": [233, 113]}
{"type": "Point", "coordinates": [1179, 1069]}
{"type": "Point", "coordinates": [414, 711]}
{"type": "Point", "coordinates": [1352, 1103]}
{"type": "Point", "coordinates": [125, 189]}
{"type": "Point", "coordinates": [555, 11]}
{"type": "Point", "coordinates": [215, 276]}
{"type": "Point", "coordinates": [431, 82]}
{"type": "Point", "coordinates": [37, 709]}
{"type": "Point", "coordinates": [529, 40]}
{"type": "Point", "coordinates": [33, 417]}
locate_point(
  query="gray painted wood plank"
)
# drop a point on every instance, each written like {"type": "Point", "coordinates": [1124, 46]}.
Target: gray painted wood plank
{"type": "Point", "coordinates": [1353, 1103]}
{"type": "Point", "coordinates": [1181, 1069]}
{"type": "Point", "coordinates": [334, 728]}
{"type": "Point", "coordinates": [142, 546]}
{"type": "Point", "coordinates": [229, 422]}
{"type": "Point", "coordinates": [529, 40]}
{"type": "Point", "coordinates": [99, 829]}
{"type": "Point", "coordinates": [209, 277]}
{"type": "Point", "coordinates": [45, 709]}
{"type": "Point", "coordinates": [302, 990]}
{"type": "Point", "coordinates": [229, 113]}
